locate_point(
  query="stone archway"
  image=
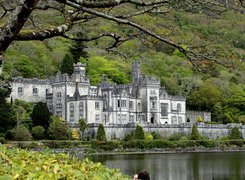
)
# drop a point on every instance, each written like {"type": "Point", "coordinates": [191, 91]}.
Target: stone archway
{"type": "Point", "coordinates": [152, 119]}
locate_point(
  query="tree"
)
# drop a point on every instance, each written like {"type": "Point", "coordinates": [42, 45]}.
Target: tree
{"type": "Point", "coordinates": [40, 115]}
{"type": "Point", "coordinates": [67, 65]}
{"type": "Point", "coordinates": [7, 114]}
{"type": "Point", "coordinates": [139, 133]}
{"type": "Point", "coordinates": [58, 129]}
{"type": "Point", "coordinates": [78, 49]}
{"type": "Point", "coordinates": [83, 126]}
{"type": "Point", "coordinates": [101, 136]}
{"type": "Point", "coordinates": [76, 12]}
{"type": "Point", "coordinates": [235, 133]}
{"type": "Point", "coordinates": [194, 133]}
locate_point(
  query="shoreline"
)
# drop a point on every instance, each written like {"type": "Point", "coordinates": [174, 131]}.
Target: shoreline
{"type": "Point", "coordinates": [81, 152]}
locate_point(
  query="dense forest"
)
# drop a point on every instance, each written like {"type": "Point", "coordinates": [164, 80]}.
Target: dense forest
{"type": "Point", "coordinates": [217, 86]}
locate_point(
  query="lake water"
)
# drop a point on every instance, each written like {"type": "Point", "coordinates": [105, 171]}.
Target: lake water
{"type": "Point", "coordinates": [183, 166]}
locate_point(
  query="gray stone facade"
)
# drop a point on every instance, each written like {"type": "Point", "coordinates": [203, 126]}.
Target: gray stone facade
{"type": "Point", "coordinates": [72, 97]}
{"type": "Point", "coordinates": [192, 116]}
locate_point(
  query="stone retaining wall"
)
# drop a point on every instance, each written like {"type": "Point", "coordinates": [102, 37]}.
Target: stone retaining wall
{"type": "Point", "coordinates": [213, 131]}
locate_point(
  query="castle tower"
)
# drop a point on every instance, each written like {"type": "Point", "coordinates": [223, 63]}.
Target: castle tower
{"type": "Point", "coordinates": [136, 72]}
{"type": "Point", "coordinates": [79, 71]}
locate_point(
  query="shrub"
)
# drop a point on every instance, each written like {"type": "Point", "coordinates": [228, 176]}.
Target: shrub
{"type": "Point", "coordinates": [75, 134]}
{"type": "Point", "coordinates": [21, 133]}
{"type": "Point", "coordinates": [155, 135]}
{"type": "Point", "coordinates": [199, 119]}
{"type": "Point", "coordinates": [58, 129]}
{"type": "Point", "coordinates": [128, 137]}
{"type": "Point", "coordinates": [236, 137]}
{"type": "Point", "coordinates": [139, 133]}
{"type": "Point", "coordinates": [194, 133]}
{"type": "Point", "coordinates": [2, 140]}
{"type": "Point", "coordinates": [176, 137]}
{"type": "Point", "coordinates": [148, 136]}
{"type": "Point", "coordinates": [106, 145]}
{"type": "Point", "coordinates": [101, 136]}
{"type": "Point", "coordinates": [235, 133]}
{"type": "Point", "coordinates": [83, 126]}
{"type": "Point", "coordinates": [38, 132]}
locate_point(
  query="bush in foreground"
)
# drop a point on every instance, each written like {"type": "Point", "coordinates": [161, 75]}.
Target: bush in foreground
{"type": "Point", "coordinates": [23, 164]}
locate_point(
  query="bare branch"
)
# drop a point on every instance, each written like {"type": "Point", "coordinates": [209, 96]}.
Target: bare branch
{"type": "Point", "coordinates": [6, 10]}
{"type": "Point", "coordinates": [15, 23]}
{"type": "Point", "coordinates": [112, 3]}
{"type": "Point", "coordinates": [43, 34]}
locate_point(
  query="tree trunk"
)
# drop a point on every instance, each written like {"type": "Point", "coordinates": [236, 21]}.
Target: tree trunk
{"type": "Point", "coordinates": [14, 25]}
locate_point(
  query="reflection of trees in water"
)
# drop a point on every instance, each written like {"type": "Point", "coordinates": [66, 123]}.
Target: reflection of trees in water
{"type": "Point", "coordinates": [186, 166]}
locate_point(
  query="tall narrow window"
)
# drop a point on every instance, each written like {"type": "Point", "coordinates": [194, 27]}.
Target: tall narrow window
{"type": "Point", "coordinates": [118, 103]}
{"type": "Point", "coordinates": [164, 109]}
{"type": "Point", "coordinates": [97, 117]}
{"type": "Point", "coordinates": [81, 109]}
{"type": "Point", "coordinates": [97, 105]}
{"type": "Point", "coordinates": [179, 107]}
{"type": "Point", "coordinates": [153, 105]}
{"type": "Point", "coordinates": [131, 105]}
{"type": "Point", "coordinates": [123, 103]}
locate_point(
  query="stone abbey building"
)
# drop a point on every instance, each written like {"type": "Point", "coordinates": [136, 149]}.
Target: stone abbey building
{"type": "Point", "coordinates": [72, 97]}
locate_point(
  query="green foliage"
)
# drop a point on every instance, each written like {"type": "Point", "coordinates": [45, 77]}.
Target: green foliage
{"type": "Point", "coordinates": [155, 135]}
{"type": "Point", "coordinates": [101, 136]}
{"type": "Point", "coordinates": [139, 132]}
{"type": "Point", "coordinates": [235, 133]}
{"type": "Point", "coordinates": [148, 136]}
{"type": "Point", "coordinates": [9, 134]}
{"type": "Point", "coordinates": [115, 71]}
{"type": "Point", "coordinates": [24, 164]}
{"type": "Point", "coordinates": [128, 136]}
{"type": "Point", "coordinates": [106, 145]}
{"type": "Point", "coordinates": [176, 137]}
{"type": "Point", "coordinates": [58, 128]}
{"type": "Point", "coordinates": [199, 119]}
{"type": "Point", "coordinates": [40, 115]}
{"type": "Point", "coordinates": [83, 126]}
{"type": "Point", "coordinates": [7, 116]}
{"type": "Point", "coordinates": [206, 97]}
{"type": "Point", "coordinates": [2, 140]}
{"type": "Point", "coordinates": [194, 133]}
{"type": "Point", "coordinates": [75, 134]}
{"type": "Point", "coordinates": [21, 133]}
{"type": "Point", "coordinates": [77, 49]}
{"type": "Point", "coordinates": [67, 65]}
{"type": "Point", "coordinates": [38, 132]}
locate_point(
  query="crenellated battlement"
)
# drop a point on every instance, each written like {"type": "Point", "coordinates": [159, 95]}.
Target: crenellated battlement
{"type": "Point", "coordinates": [145, 80]}
{"type": "Point", "coordinates": [30, 80]}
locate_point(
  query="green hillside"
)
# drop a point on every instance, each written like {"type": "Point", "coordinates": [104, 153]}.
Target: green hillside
{"type": "Point", "coordinates": [216, 88]}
